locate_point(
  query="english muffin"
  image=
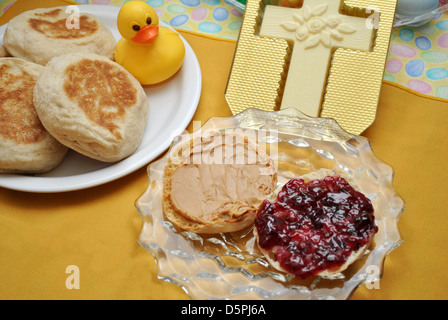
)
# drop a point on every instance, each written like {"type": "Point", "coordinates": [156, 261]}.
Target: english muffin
{"type": "Point", "coordinates": [41, 34]}
{"type": "Point", "coordinates": [216, 182]}
{"type": "Point", "coordinates": [25, 145]}
{"type": "Point", "coordinates": [319, 225]}
{"type": "Point", "coordinates": [3, 52]}
{"type": "Point", "coordinates": [92, 105]}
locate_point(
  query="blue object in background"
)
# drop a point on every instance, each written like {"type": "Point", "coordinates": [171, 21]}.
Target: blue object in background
{"type": "Point", "coordinates": [415, 8]}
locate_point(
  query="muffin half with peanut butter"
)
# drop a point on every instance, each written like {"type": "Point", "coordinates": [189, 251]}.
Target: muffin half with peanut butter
{"type": "Point", "coordinates": [215, 182]}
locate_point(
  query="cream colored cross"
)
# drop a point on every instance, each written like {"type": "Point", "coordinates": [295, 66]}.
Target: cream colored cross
{"type": "Point", "coordinates": [316, 30]}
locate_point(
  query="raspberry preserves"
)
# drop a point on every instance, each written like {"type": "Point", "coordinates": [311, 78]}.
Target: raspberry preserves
{"type": "Point", "coordinates": [315, 226]}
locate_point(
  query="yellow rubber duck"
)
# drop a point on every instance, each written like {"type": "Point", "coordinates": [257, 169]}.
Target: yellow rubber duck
{"type": "Point", "coordinates": [150, 52]}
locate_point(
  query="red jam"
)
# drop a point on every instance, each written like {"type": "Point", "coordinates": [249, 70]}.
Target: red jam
{"type": "Point", "coordinates": [315, 226]}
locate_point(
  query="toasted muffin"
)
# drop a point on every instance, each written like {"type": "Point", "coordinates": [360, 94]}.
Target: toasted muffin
{"type": "Point", "coordinates": [216, 182]}
{"type": "Point", "coordinates": [41, 34]}
{"type": "Point", "coordinates": [25, 145]}
{"type": "Point", "coordinates": [3, 52]}
{"type": "Point", "coordinates": [92, 105]}
{"type": "Point", "coordinates": [299, 261]}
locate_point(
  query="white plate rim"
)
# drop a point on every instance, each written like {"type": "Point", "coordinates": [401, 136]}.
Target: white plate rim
{"type": "Point", "coordinates": [120, 169]}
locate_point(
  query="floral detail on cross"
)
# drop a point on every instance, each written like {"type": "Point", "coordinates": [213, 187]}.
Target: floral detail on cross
{"type": "Point", "coordinates": [311, 27]}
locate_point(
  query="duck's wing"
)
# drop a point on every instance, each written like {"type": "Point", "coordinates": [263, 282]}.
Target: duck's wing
{"type": "Point", "coordinates": [120, 51]}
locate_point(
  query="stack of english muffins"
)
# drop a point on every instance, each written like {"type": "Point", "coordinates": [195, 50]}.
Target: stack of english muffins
{"type": "Point", "coordinates": [60, 89]}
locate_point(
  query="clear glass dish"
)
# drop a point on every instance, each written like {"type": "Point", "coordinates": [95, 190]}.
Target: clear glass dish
{"type": "Point", "coordinates": [419, 20]}
{"type": "Point", "coordinates": [230, 266]}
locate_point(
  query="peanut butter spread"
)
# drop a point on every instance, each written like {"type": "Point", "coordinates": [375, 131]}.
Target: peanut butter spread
{"type": "Point", "coordinates": [225, 177]}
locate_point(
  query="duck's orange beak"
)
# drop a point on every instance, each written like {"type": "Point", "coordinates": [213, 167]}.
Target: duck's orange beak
{"type": "Point", "coordinates": [147, 34]}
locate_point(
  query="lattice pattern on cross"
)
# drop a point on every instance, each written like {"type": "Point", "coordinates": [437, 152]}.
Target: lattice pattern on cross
{"type": "Point", "coordinates": [316, 30]}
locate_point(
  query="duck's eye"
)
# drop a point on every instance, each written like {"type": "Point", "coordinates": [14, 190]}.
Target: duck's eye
{"type": "Point", "coordinates": [148, 21]}
{"type": "Point", "coordinates": [136, 27]}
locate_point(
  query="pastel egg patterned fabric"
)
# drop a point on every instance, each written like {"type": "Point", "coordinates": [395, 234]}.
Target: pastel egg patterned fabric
{"type": "Point", "coordinates": [418, 57]}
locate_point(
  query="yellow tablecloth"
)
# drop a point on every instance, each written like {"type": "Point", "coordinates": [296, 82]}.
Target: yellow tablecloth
{"type": "Point", "coordinates": [97, 229]}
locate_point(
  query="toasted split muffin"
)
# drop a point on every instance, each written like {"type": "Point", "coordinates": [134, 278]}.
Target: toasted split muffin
{"type": "Point", "coordinates": [216, 182]}
{"type": "Point", "coordinates": [25, 145]}
{"type": "Point", "coordinates": [92, 105]}
{"type": "Point", "coordinates": [41, 34]}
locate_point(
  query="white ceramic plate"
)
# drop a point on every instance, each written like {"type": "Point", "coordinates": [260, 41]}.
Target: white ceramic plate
{"type": "Point", "coordinates": [171, 108]}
